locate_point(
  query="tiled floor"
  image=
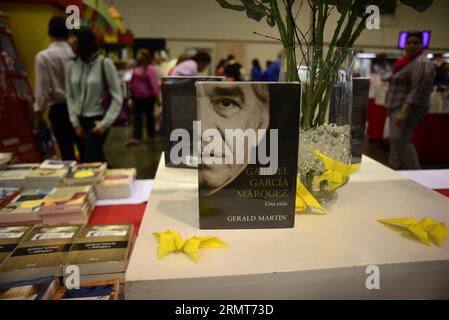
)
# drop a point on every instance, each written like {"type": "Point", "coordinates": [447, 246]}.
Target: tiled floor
{"type": "Point", "coordinates": [145, 157]}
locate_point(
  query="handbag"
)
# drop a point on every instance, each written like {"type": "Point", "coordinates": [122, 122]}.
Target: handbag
{"type": "Point", "coordinates": [106, 99]}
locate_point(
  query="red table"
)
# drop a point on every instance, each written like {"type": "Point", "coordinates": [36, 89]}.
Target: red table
{"type": "Point", "coordinates": [431, 136]}
{"type": "Point", "coordinates": [125, 214]}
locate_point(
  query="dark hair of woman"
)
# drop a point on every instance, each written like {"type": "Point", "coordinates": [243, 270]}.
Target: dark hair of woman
{"type": "Point", "coordinates": [87, 45]}
{"type": "Point", "coordinates": [147, 57]}
{"type": "Point", "coordinates": [256, 64]}
{"type": "Point", "coordinates": [202, 56]}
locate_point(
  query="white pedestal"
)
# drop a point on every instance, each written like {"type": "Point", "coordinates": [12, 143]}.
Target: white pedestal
{"type": "Point", "coordinates": [322, 257]}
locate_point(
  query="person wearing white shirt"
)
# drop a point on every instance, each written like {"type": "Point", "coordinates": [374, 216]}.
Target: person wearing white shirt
{"type": "Point", "coordinates": [50, 67]}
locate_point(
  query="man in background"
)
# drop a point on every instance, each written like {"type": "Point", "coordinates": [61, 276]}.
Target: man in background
{"type": "Point", "coordinates": [50, 87]}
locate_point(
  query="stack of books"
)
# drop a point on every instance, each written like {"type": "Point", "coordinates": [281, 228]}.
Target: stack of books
{"type": "Point", "coordinates": [24, 208]}
{"type": "Point", "coordinates": [116, 184]}
{"type": "Point", "coordinates": [40, 254]}
{"type": "Point", "coordinates": [102, 252]}
{"type": "Point", "coordinates": [68, 205]}
{"type": "Point", "coordinates": [36, 289]}
{"type": "Point", "coordinates": [45, 178]}
{"type": "Point", "coordinates": [58, 164]}
{"type": "Point", "coordinates": [10, 238]}
{"type": "Point", "coordinates": [86, 174]}
{"type": "Point", "coordinates": [7, 195]}
{"type": "Point", "coordinates": [5, 158]}
{"type": "Point", "coordinates": [14, 176]}
{"type": "Point", "coordinates": [102, 290]}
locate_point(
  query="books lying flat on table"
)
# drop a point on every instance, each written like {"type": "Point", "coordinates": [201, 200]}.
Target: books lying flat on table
{"type": "Point", "coordinates": [102, 249]}
{"type": "Point", "coordinates": [7, 195]}
{"type": "Point", "coordinates": [247, 175]}
{"type": "Point", "coordinates": [102, 290]}
{"type": "Point", "coordinates": [58, 164]}
{"type": "Point", "coordinates": [36, 289]}
{"type": "Point", "coordinates": [5, 158]}
{"type": "Point", "coordinates": [41, 254]}
{"type": "Point", "coordinates": [10, 238]}
{"type": "Point", "coordinates": [24, 208]}
{"type": "Point", "coordinates": [116, 184]}
{"type": "Point", "coordinates": [86, 174]}
{"type": "Point", "coordinates": [68, 205]}
{"type": "Point", "coordinates": [45, 178]}
{"type": "Point", "coordinates": [14, 176]}
{"type": "Point", "coordinates": [179, 111]}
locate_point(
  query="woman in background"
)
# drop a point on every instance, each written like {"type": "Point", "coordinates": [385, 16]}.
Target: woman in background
{"type": "Point", "coordinates": [89, 76]}
{"type": "Point", "coordinates": [144, 88]}
{"type": "Point", "coordinates": [256, 71]}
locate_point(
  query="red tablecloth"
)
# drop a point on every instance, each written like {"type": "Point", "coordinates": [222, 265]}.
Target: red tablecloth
{"type": "Point", "coordinates": [430, 137]}
{"type": "Point", "coordinates": [444, 192]}
{"type": "Point", "coordinates": [126, 214]}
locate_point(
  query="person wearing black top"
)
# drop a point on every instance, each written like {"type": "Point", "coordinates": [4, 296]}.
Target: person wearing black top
{"type": "Point", "coordinates": [233, 69]}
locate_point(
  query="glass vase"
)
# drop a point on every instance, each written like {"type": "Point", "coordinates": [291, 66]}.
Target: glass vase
{"type": "Point", "coordinates": [326, 103]}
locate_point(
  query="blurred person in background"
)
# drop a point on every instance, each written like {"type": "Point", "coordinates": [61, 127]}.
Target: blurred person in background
{"type": "Point", "coordinates": [183, 57]}
{"type": "Point", "coordinates": [144, 88]}
{"type": "Point", "coordinates": [408, 100]}
{"type": "Point", "coordinates": [50, 88]}
{"type": "Point", "coordinates": [256, 70]}
{"type": "Point", "coordinates": [193, 66]}
{"type": "Point", "coordinates": [220, 69]}
{"type": "Point", "coordinates": [233, 70]}
{"type": "Point", "coordinates": [273, 72]}
{"type": "Point", "coordinates": [89, 77]}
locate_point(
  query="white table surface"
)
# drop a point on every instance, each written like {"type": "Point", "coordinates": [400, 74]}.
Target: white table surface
{"type": "Point", "coordinates": [433, 179]}
{"type": "Point", "coordinates": [321, 257]}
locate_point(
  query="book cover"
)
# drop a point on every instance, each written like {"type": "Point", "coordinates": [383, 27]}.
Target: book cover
{"type": "Point", "coordinates": [7, 195]}
{"type": "Point", "coordinates": [119, 177]}
{"type": "Point", "coordinates": [66, 197]}
{"type": "Point", "coordinates": [36, 289]}
{"type": "Point", "coordinates": [101, 290]}
{"type": "Point", "coordinates": [44, 248]}
{"type": "Point", "coordinates": [57, 164]}
{"type": "Point", "coordinates": [249, 151]}
{"type": "Point", "coordinates": [16, 172]}
{"type": "Point", "coordinates": [26, 202]}
{"type": "Point", "coordinates": [10, 238]}
{"type": "Point", "coordinates": [102, 249]}
{"type": "Point", "coordinates": [179, 112]}
{"type": "Point", "coordinates": [40, 173]}
{"type": "Point", "coordinates": [86, 173]}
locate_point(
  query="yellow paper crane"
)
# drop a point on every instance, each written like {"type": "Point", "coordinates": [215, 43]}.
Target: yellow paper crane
{"type": "Point", "coordinates": [425, 230]}
{"type": "Point", "coordinates": [336, 171]}
{"type": "Point", "coordinates": [172, 242]}
{"type": "Point", "coordinates": [304, 198]}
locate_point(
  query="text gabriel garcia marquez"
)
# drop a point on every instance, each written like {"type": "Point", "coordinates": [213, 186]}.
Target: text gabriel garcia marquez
{"type": "Point", "coordinates": [274, 190]}
{"type": "Point", "coordinates": [265, 187]}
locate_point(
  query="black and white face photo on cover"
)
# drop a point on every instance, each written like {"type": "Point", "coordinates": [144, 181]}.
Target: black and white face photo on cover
{"type": "Point", "coordinates": [224, 106]}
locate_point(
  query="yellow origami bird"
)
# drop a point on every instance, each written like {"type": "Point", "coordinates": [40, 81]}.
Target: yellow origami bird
{"type": "Point", "coordinates": [425, 230]}
{"type": "Point", "coordinates": [336, 171]}
{"type": "Point", "coordinates": [171, 241]}
{"type": "Point", "coordinates": [304, 198]}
